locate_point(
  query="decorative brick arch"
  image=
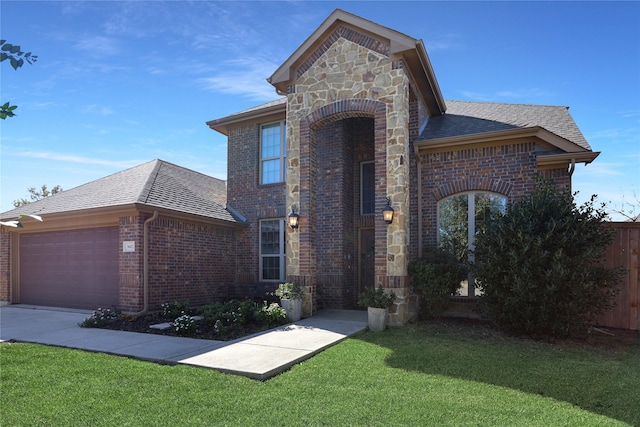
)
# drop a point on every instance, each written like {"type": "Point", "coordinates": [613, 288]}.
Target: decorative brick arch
{"type": "Point", "coordinates": [339, 110]}
{"type": "Point", "coordinates": [473, 184]}
{"type": "Point", "coordinates": [348, 108]}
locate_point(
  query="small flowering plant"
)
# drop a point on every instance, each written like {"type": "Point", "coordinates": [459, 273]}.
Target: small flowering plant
{"type": "Point", "coordinates": [171, 310]}
{"type": "Point", "coordinates": [288, 291]}
{"type": "Point", "coordinates": [271, 313]}
{"type": "Point", "coordinates": [100, 317]}
{"type": "Point", "coordinates": [184, 325]}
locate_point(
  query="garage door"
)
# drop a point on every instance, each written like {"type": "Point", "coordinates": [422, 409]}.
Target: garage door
{"type": "Point", "coordinates": [75, 268]}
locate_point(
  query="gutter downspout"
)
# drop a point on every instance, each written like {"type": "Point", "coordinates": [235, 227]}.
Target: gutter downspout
{"type": "Point", "coordinates": [145, 263]}
{"type": "Point", "coordinates": [420, 213]}
{"type": "Point", "coordinates": [572, 168]}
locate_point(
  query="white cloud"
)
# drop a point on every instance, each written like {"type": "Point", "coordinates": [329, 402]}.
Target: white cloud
{"type": "Point", "coordinates": [248, 79]}
{"type": "Point", "coordinates": [630, 113]}
{"type": "Point", "coordinates": [98, 46]}
{"type": "Point", "coordinates": [98, 109]}
{"type": "Point", "coordinates": [526, 95]}
{"type": "Point", "coordinates": [443, 42]}
{"type": "Point", "coordinates": [618, 136]}
{"type": "Point", "coordinates": [60, 157]}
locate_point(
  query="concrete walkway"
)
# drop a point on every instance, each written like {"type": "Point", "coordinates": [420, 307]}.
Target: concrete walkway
{"type": "Point", "coordinates": [259, 356]}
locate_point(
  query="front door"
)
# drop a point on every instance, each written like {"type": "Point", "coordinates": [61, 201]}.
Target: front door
{"type": "Point", "coordinates": [366, 251]}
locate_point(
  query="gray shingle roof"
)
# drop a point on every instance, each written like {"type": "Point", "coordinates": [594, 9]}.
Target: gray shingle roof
{"type": "Point", "coordinates": [156, 184]}
{"type": "Point", "coordinates": [467, 118]}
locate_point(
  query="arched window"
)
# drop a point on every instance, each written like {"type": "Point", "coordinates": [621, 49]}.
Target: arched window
{"type": "Point", "coordinates": [460, 218]}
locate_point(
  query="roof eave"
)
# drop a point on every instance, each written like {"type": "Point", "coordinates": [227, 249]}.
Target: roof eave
{"type": "Point", "coordinates": [534, 132]}
{"type": "Point", "coordinates": [560, 160]}
{"type": "Point", "coordinates": [421, 70]}
{"type": "Point", "coordinates": [186, 215]}
{"type": "Point", "coordinates": [223, 124]}
{"type": "Point", "coordinates": [81, 218]}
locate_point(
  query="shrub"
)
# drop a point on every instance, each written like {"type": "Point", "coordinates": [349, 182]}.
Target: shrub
{"type": "Point", "coordinates": [230, 313]}
{"type": "Point", "coordinates": [436, 276]}
{"type": "Point", "coordinates": [376, 297]}
{"type": "Point", "coordinates": [540, 264]}
{"type": "Point", "coordinates": [100, 317]}
{"type": "Point", "coordinates": [288, 291]}
{"type": "Point", "coordinates": [172, 310]}
{"type": "Point", "coordinates": [270, 314]}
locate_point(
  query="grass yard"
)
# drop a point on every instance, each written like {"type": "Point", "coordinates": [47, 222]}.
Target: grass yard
{"type": "Point", "coordinates": [424, 374]}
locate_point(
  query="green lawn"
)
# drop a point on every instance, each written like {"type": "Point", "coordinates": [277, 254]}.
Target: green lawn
{"type": "Point", "coordinates": [425, 374]}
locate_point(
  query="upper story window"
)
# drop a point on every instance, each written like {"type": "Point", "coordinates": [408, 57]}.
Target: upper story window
{"type": "Point", "coordinates": [367, 188]}
{"type": "Point", "coordinates": [273, 153]}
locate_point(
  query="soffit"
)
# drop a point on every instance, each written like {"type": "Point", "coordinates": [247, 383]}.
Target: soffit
{"type": "Point", "coordinates": [565, 150]}
{"type": "Point", "coordinates": [274, 110]}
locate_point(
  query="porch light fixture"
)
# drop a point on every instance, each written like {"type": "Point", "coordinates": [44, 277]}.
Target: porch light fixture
{"type": "Point", "coordinates": [387, 212]}
{"type": "Point", "coordinates": [293, 218]}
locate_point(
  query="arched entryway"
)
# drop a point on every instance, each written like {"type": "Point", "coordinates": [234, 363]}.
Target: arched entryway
{"type": "Point", "coordinates": [342, 243]}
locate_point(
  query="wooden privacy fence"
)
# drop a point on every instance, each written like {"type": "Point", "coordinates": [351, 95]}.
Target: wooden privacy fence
{"type": "Point", "coordinates": [624, 252]}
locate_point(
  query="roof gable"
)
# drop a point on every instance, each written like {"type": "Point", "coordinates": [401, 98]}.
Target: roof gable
{"type": "Point", "coordinates": [386, 41]}
{"type": "Point", "coordinates": [156, 184]}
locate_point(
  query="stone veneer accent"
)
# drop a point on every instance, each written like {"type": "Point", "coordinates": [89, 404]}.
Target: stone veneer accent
{"type": "Point", "coordinates": [344, 79]}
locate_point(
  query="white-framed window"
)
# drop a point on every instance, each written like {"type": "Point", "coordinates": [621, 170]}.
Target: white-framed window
{"type": "Point", "coordinates": [367, 188]}
{"type": "Point", "coordinates": [273, 153]}
{"type": "Point", "coordinates": [272, 250]}
{"type": "Point", "coordinates": [460, 218]}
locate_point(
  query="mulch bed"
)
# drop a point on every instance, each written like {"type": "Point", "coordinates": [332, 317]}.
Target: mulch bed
{"type": "Point", "coordinates": [203, 330]}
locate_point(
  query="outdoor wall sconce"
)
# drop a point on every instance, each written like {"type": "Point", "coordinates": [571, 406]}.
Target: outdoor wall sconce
{"type": "Point", "coordinates": [387, 212]}
{"type": "Point", "coordinates": [293, 218]}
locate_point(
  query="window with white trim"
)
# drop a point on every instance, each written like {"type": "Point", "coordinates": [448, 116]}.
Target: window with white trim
{"type": "Point", "coordinates": [272, 250]}
{"type": "Point", "coordinates": [273, 153]}
{"type": "Point", "coordinates": [460, 218]}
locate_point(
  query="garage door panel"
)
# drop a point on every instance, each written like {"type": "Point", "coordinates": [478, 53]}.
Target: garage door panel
{"type": "Point", "coordinates": [77, 268]}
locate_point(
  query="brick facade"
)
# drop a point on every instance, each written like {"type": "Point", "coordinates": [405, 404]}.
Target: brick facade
{"type": "Point", "coordinates": [131, 264]}
{"type": "Point", "coordinates": [509, 170]}
{"type": "Point", "coordinates": [5, 266]}
{"type": "Point", "coordinates": [188, 261]}
{"type": "Point", "coordinates": [255, 202]}
{"type": "Point", "coordinates": [350, 102]}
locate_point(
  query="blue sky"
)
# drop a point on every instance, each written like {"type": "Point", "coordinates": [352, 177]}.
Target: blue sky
{"type": "Point", "coordinates": [120, 83]}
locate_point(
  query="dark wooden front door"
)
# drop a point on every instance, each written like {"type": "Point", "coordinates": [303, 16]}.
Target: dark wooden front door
{"type": "Point", "coordinates": [367, 244]}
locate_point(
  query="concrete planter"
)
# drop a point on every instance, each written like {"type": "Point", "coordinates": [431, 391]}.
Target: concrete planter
{"type": "Point", "coordinates": [377, 318]}
{"type": "Point", "coordinates": [293, 307]}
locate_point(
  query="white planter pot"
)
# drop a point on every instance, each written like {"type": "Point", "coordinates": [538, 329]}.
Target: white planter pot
{"type": "Point", "coordinates": [377, 318]}
{"type": "Point", "coordinates": [293, 307]}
